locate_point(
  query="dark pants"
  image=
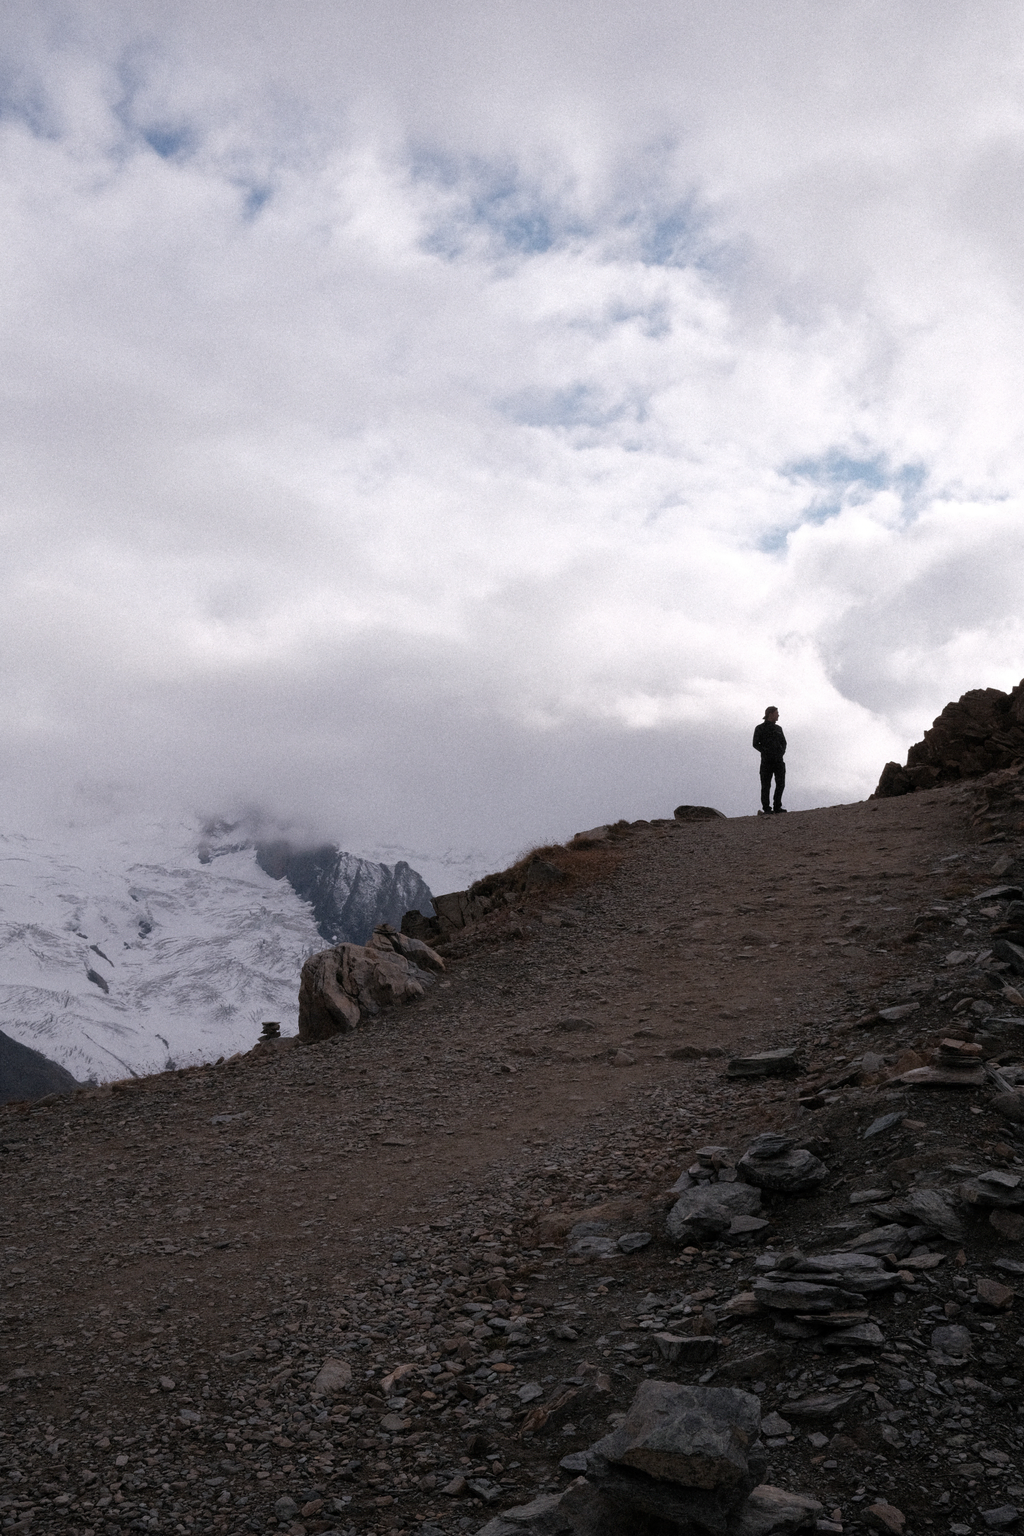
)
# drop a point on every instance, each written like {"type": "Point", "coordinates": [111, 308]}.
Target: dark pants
{"type": "Point", "coordinates": [772, 768]}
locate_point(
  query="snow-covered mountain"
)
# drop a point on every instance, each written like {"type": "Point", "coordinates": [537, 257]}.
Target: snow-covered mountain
{"type": "Point", "coordinates": [139, 943]}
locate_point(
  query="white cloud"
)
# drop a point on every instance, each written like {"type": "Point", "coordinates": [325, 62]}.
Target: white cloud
{"type": "Point", "coordinates": [451, 425]}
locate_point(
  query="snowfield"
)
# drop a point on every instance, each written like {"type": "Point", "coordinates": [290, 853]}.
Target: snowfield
{"type": "Point", "coordinates": [121, 951]}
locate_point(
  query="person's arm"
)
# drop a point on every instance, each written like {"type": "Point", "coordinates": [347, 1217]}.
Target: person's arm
{"type": "Point", "coordinates": [757, 737]}
{"type": "Point", "coordinates": [783, 735]}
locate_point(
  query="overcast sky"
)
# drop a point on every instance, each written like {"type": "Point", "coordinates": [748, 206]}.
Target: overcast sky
{"type": "Point", "coordinates": [447, 426]}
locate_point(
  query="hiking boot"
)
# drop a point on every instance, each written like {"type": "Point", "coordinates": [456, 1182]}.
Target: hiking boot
{"type": "Point", "coordinates": [780, 810]}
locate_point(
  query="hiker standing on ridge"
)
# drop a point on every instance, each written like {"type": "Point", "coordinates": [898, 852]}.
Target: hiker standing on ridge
{"type": "Point", "coordinates": [770, 741]}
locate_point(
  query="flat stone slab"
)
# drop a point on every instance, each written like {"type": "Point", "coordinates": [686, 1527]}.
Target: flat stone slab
{"type": "Point", "coordinates": [784, 1062]}
{"type": "Point", "coordinates": [944, 1077]}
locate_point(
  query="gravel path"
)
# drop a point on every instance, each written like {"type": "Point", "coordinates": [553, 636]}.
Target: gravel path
{"type": "Point", "coordinates": [183, 1253]}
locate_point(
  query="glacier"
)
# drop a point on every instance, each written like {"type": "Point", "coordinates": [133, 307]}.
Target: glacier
{"type": "Point", "coordinates": [138, 945]}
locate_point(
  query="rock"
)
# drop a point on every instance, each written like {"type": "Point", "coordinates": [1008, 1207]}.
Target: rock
{"type": "Point", "coordinates": [881, 1241]}
{"type": "Point", "coordinates": [894, 780]}
{"type": "Point", "coordinates": [1008, 1225]}
{"type": "Point", "coordinates": [983, 1192]}
{"type": "Point", "coordinates": [686, 1349]}
{"type": "Point", "coordinates": [820, 1405]}
{"type": "Point", "coordinates": [998, 1519]}
{"type": "Point", "coordinates": [931, 1208]}
{"type": "Point", "coordinates": [774, 1162]}
{"type": "Point", "coordinates": [860, 1336]}
{"type": "Point", "coordinates": [943, 1077]}
{"type": "Point", "coordinates": [708, 1209]}
{"type": "Point", "coordinates": [540, 1517]}
{"type": "Point", "coordinates": [622, 1059]}
{"type": "Point", "coordinates": [166, 1384]}
{"type": "Point", "coordinates": [884, 1123]}
{"type": "Point", "coordinates": [595, 1247]}
{"type": "Point", "coordinates": [979, 733]}
{"type": "Point", "coordinates": [333, 1376]}
{"type": "Point", "coordinates": [900, 1011]}
{"type": "Point", "coordinates": [285, 1508]}
{"type": "Point", "coordinates": [746, 1226]}
{"type": "Point", "coordinates": [591, 838]}
{"type": "Point", "coordinates": [769, 1509]}
{"type": "Point", "coordinates": [457, 1487]}
{"type": "Point", "coordinates": [697, 813]}
{"type": "Point", "coordinates": [991, 1293]}
{"type": "Point", "coordinates": [774, 1424]}
{"type": "Point", "coordinates": [338, 985]}
{"type": "Point", "coordinates": [696, 1437]}
{"type": "Point", "coordinates": [783, 1062]}
{"type": "Point", "coordinates": [541, 872]}
{"type": "Point", "coordinates": [885, 1517]}
{"type": "Point", "coordinates": [857, 1271]}
{"type": "Point", "coordinates": [1009, 1105]}
{"type": "Point", "coordinates": [952, 1339]}
{"type": "Point", "coordinates": [530, 1391]}
{"type": "Point", "coordinates": [754, 1367]}
{"type": "Point", "coordinates": [798, 1295]}
{"type": "Point", "coordinates": [1013, 954]}
{"type": "Point", "coordinates": [574, 1026]}
{"type": "Point", "coordinates": [589, 1511]}
{"type": "Point", "coordinates": [632, 1242]}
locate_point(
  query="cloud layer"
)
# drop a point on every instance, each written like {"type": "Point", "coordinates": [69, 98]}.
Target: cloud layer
{"type": "Point", "coordinates": [449, 426]}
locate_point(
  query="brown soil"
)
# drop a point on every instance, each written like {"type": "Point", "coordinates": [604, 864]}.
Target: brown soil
{"type": "Point", "coordinates": [171, 1228]}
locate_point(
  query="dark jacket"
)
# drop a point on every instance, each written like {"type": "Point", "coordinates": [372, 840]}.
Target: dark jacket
{"type": "Point", "coordinates": [770, 741]}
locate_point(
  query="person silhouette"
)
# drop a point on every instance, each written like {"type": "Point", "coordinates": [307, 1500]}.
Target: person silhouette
{"type": "Point", "coordinates": [770, 741]}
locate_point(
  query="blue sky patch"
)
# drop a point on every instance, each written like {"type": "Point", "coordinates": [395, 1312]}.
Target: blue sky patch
{"type": "Point", "coordinates": [838, 479]}
{"type": "Point", "coordinates": [578, 405]}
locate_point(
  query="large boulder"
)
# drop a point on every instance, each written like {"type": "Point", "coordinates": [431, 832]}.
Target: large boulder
{"type": "Point", "coordinates": [686, 1455]}
{"type": "Point", "coordinates": [697, 1437]}
{"type": "Point", "coordinates": [338, 986]}
{"type": "Point", "coordinates": [707, 1210]}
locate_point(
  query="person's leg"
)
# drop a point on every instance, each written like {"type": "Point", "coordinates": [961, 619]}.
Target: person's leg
{"type": "Point", "coordinates": [766, 784]}
{"type": "Point", "coordinates": [780, 784]}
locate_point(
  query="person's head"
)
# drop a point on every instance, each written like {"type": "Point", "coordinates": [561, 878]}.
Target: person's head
{"type": "Point", "coordinates": [771, 714]}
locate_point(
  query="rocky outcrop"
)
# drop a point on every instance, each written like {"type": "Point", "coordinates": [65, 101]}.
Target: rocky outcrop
{"type": "Point", "coordinates": [349, 896]}
{"type": "Point", "coordinates": [27, 1074]}
{"type": "Point", "coordinates": [983, 731]}
{"type": "Point", "coordinates": [340, 985]}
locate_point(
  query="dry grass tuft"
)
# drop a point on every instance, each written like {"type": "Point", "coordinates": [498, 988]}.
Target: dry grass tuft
{"type": "Point", "coordinates": [529, 875]}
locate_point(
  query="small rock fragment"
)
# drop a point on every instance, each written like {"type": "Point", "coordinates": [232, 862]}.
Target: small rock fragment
{"type": "Point", "coordinates": [769, 1509]}
{"type": "Point", "coordinates": [886, 1518]}
{"type": "Point", "coordinates": [994, 1294]}
{"type": "Point", "coordinates": [333, 1376]}
{"type": "Point", "coordinates": [952, 1339]}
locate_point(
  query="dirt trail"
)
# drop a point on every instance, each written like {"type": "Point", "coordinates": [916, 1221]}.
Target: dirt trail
{"type": "Point", "coordinates": [201, 1228]}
